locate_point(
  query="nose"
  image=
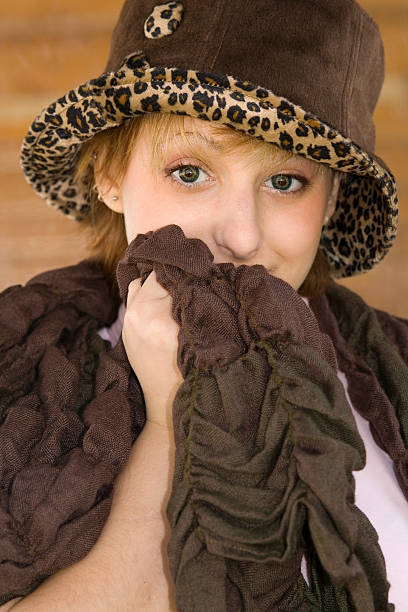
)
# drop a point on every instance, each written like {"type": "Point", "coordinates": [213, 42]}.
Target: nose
{"type": "Point", "coordinates": [237, 228]}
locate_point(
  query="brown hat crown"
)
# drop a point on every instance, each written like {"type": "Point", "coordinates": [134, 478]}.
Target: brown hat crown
{"type": "Point", "coordinates": [325, 56]}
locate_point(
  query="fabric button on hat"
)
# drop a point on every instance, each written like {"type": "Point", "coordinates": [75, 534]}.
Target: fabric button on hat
{"type": "Point", "coordinates": [164, 20]}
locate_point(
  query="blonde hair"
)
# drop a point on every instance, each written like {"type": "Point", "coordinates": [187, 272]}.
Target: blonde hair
{"type": "Point", "coordinates": [112, 148]}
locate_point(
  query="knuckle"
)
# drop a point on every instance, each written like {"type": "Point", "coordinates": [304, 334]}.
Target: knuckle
{"type": "Point", "coordinates": [133, 289]}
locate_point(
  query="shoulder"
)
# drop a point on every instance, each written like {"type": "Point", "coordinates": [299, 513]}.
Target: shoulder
{"type": "Point", "coordinates": [396, 331]}
{"type": "Point", "coordinates": [48, 336]}
{"type": "Point", "coordinates": [48, 331]}
{"type": "Point", "coordinates": [82, 288]}
{"type": "Point", "coordinates": [356, 318]}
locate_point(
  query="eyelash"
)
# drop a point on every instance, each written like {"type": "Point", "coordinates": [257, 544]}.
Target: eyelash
{"type": "Point", "coordinates": [170, 171]}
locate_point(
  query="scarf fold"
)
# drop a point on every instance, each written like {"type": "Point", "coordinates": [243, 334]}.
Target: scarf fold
{"type": "Point", "coordinates": [258, 419]}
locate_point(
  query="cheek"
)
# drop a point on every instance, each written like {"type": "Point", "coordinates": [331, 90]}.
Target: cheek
{"type": "Point", "coordinates": [144, 206]}
{"type": "Point", "coordinates": [295, 236]}
{"type": "Point", "coordinates": [150, 205]}
{"type": "Point", "coordinates": [297, 233]}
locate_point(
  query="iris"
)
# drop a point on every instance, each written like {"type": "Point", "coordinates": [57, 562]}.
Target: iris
{"type": "Point", "coordinates": [189, 174]}
{"type": "Point", "coordinates": [283, 182]}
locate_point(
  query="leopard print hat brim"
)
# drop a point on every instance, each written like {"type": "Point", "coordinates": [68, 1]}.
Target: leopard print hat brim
{"type": "Point", "coordinates": [359, 233]}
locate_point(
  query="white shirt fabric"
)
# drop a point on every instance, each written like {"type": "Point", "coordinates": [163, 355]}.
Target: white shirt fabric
{"type": "Point", "coordinates": [113, 333]}
{"type": "Point", "coordinates": [378, 494]}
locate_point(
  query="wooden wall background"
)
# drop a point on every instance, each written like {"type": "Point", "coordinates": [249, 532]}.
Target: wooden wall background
{"type": "Point", "coordinates": [50, 46]}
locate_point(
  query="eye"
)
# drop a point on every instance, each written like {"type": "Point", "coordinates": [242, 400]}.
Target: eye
{"type": "Point", "coordinates": [188, 175]}
{"type": "Point", "coordinates": [287, 182]}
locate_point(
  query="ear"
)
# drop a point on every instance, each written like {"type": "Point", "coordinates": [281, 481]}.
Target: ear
{"type": "Point", "coordinates": [333, 195]}
{"type": "Point", "coordinates": [108, 193]}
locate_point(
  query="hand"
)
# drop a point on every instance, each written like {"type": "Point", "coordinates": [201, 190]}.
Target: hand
{"type": "Point", "coordinates": [150, 337]}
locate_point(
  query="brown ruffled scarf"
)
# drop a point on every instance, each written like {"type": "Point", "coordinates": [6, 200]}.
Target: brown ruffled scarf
{"type": "Point", "coordinates": [265, 440]}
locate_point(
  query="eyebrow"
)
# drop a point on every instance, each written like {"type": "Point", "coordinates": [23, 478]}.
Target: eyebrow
{"type": "Point", "coordinates": [200, 139]}
{"type": "Point", "coordinates": [217, 146]}
{"type": "Point", "coordinates": [212, 144]}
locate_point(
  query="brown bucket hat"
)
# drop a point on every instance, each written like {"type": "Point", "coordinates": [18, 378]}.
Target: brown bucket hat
{"type": "Point", "coordinates": [304, 75]}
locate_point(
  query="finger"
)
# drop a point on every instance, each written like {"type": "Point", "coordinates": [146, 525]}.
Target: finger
{"type": "Point", "coordinates": [134, 288]}
{"type": "Point", "coordinates": [151, 289]}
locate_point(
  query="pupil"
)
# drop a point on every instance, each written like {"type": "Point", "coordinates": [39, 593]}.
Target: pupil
{"type": "Point", "coordinates": [282, 181]}
{"type": "Point", "coordinates": [189, 174]}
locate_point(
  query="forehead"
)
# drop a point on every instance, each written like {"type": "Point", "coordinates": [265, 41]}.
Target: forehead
{"type": "Point", "coordinates": [165, 132]}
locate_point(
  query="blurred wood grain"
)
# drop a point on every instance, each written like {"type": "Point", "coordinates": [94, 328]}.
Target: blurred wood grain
{"type": "Point", "coordinates": [49, 46]}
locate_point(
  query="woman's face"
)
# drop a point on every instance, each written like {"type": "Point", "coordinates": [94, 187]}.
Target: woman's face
{"type": "Point", "coordinates": [246, 211]}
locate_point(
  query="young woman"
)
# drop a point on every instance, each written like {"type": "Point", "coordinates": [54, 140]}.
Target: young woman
{"type": "Point", "coordinates": [198, 417]}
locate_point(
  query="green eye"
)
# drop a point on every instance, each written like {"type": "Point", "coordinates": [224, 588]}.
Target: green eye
{"type": "Point", "coordinates": [189, 174]}
{"type": "Point", "coordinates": [288, 183]}
{"type": "Point", "coordinates": [282, 182]}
